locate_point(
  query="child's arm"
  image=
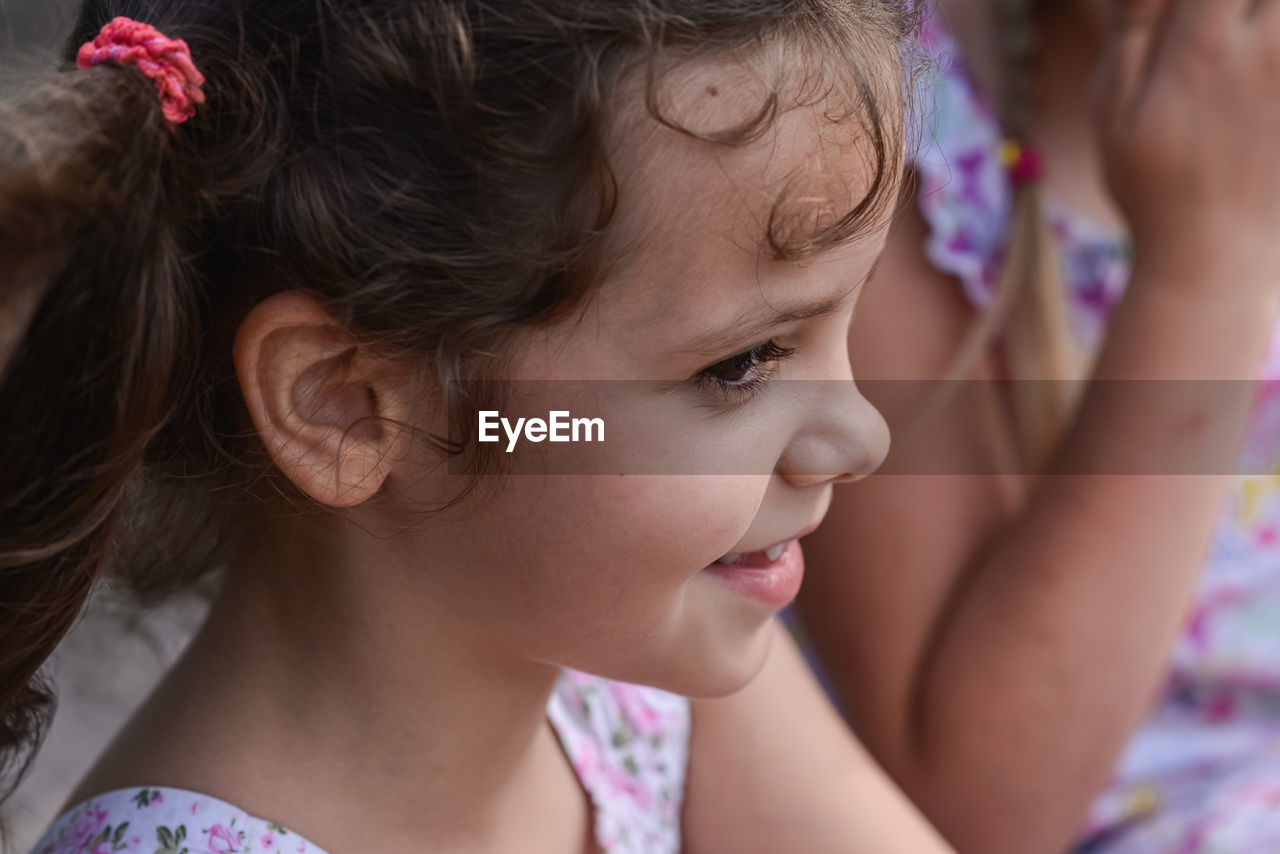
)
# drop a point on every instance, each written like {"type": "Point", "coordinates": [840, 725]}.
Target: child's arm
{"type": "Point", "coordinates": [994, 649]}
{"type": "Point", "coordinates": [773, 768]}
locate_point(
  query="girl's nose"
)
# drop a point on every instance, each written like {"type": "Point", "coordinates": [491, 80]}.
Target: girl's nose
{"type": "Point", "coordinates": [845, 439]}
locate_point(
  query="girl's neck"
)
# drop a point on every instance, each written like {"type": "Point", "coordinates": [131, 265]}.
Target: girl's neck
{"type": "Point", "coordinates": [333, 708]}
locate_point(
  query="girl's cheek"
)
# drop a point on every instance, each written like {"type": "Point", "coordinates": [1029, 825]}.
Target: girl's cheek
{"type": "Point", "coordinates": [703, 514]}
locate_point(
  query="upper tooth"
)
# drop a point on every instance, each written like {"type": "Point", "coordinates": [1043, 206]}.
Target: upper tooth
{"type": "Point", "coordinates": [775, 552]}
{"type": "Point", "coordinates": [732, 560]}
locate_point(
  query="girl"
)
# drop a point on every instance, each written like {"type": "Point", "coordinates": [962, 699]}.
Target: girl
{"type": "Point", "coordinates": [999, 664]}
{"type": "Point", "coordinates": [247, 327]}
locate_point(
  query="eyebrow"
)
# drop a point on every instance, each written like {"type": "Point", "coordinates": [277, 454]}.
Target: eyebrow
{"type": "Point", "coordinates": [750, 325]}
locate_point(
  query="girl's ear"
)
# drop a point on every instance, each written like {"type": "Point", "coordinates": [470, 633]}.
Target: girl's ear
{"type": "Point", "coordinates": [323, 404]}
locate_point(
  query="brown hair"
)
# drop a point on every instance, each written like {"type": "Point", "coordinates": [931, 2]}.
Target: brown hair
{"type": "Point", "coordinates": [435, 171]}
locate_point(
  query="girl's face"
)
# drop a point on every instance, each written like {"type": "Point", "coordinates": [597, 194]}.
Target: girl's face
{"type": "Point", "coordinates": [741, 420]}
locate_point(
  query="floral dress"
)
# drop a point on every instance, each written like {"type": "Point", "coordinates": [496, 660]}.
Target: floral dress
{"type": "Point", "coordinates": [628, 746]}
{"type": "Point", "coordinates": [1203, 772]}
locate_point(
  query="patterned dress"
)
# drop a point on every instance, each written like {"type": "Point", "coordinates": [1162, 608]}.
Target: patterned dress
{"type": "Point", "coordinates": [628, 746]}
{"type": "Point", "coordinates": [1203, 772]}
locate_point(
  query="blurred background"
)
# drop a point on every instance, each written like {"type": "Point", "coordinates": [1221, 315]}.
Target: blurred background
{"type": "Point", "coordinates": [27, 25]}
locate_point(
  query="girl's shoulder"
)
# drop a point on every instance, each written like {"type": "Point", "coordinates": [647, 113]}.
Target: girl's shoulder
{"type": "Point", "coordinates": [158, 820]}
{"type": "Point", "coordinates": [628, 745]}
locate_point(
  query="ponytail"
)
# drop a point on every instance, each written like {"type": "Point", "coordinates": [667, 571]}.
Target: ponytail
{"type": "Point", "coordinates": [91, 319]}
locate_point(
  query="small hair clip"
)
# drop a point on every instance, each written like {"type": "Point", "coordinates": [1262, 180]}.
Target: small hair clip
{"type": "Point", "coordinates": [166, 61]}
{"type": "Point", "coordinates": [1023, 162]}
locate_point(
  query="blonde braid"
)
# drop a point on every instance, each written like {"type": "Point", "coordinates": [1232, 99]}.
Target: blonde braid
{"type": "Point", "coordinates": [1029, 310]}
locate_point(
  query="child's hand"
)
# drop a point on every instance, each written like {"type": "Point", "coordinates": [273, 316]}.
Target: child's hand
{"type": "Point", "coordinates": [1189, 109]}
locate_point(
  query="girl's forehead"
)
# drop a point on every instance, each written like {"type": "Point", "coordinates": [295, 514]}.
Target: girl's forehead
{"type": "Point", "coordinates": [693, 240]}
{"type": "Point", "coordinates": [691, 207]}
{"type": "Point", "coordinates": [697, 220]}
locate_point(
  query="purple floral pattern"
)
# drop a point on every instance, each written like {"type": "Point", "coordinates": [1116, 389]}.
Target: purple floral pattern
{"type": "Point", "coordinates": [966, 196]}
{"type": "Point", "coordinates": [628, 745]}
{"type": "Point", "coordinates": [1203, 773]}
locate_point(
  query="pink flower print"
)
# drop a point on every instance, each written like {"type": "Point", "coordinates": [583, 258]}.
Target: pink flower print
{"type": "Point", "coordinates": [639, 714]}
{"type": "Point", "coordinates": [627, 784]}
{"type": "Point", "coordinates": [302, 846]}
{"type": "Point", "coordinates": [1219, 709]}
{"type": "Point", "coordinates": [1197, 628]}
{"type": "Point", "coordinates": [84, 829]}
{"type": "Point", "coordinates": [1193, 841]}
{"type": "Point", "coordinates": [159, 798]}
{"type": "Point", "coordinates": [579, 679]}
{"type": "Point", "coordinates": [586, 760]}
{"type": "Point", "coordinates": [222, 840]}
{"type": "Point", "coordinates": [1263, 792]}
{"type": "Point", "coordinates": [268, 841]}
{"type": "Point", "coordinates": [961, 242]}
{"type": "Point", "coordinates": [969, 169]}
{"type": "Point", "coordinates": [929, 35]}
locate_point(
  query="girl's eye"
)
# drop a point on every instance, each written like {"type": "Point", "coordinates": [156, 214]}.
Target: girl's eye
{"type": "Point", "coordinates": [747, 372]}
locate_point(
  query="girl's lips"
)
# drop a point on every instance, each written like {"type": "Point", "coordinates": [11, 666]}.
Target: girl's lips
{"type": "Point", "coordinates": [767, 555]}
{"type": "Point", "coordinates": [773, 582]}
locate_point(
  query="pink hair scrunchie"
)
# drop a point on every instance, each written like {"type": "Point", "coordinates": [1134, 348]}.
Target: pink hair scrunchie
{"type": "Point", "coordinates": [166, 61]}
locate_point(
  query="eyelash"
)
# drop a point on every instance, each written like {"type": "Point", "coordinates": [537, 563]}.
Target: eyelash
{"type": "Point", "coordinates": [765, 355]}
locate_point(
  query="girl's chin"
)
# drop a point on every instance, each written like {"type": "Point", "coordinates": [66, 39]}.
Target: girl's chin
{"type": "Point", "coordinates": [715, 642]}
{"type": "Point", "coordinates": [727, 670]}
